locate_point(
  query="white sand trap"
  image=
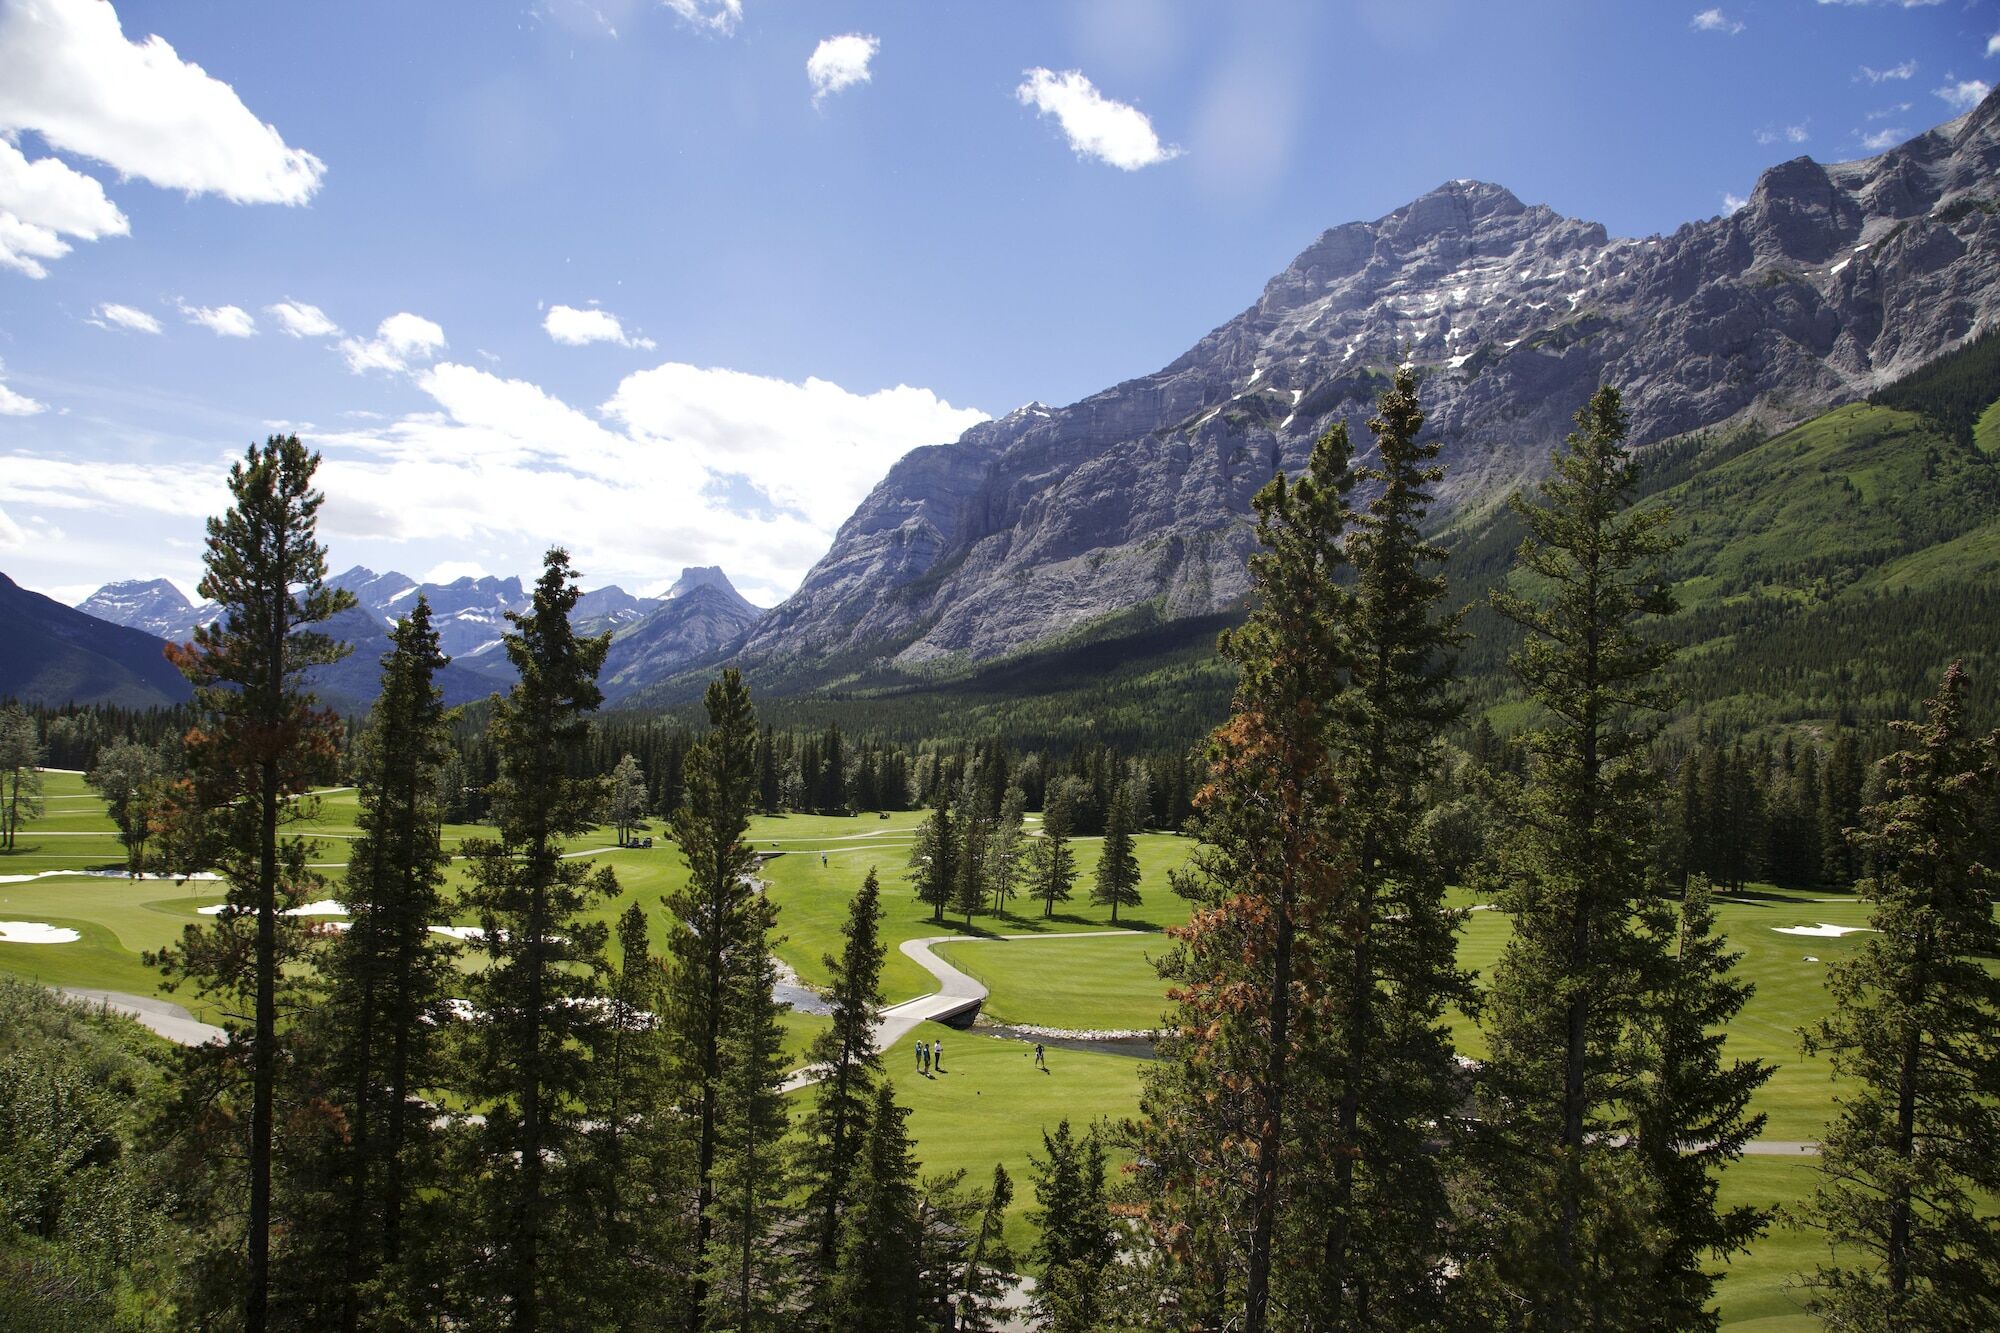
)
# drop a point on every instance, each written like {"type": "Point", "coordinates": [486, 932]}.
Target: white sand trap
{"type": "Point", "coordinates": [461, 932]}
{"type": "Point", "coordinates": [324, 907]}
{"type": "Point", "coordinates": [1823, 930]}
{"type": "Point", "coordinates": [36, 932]}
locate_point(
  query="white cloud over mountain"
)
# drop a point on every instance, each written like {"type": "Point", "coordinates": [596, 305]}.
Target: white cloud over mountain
{"type": "Point", "coordinates": [1095, 125]}
{"type": "Point", "coordinates": [839, 63]}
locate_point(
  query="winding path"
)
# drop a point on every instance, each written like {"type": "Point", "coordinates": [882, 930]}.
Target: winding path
{"type": "Point", "coordinates": [170, 1020]}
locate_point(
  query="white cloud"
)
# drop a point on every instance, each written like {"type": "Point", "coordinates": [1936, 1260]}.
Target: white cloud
{"type": "Point", "coordinates": [682, 466]}
{"type": "Point", "coordinates": [302, 320]}
{"type": "Point", "coordinates": [573, 327]}
{"type": "Point", "coordinates": [1732, 203]}
{"type": "Point", "coordinates": [1788, 133]}
{"type": "Point", "coordinates": [44, 200]}
{"type": "Point", "coordinates": [14, 404]}
{"type": "Point", "coordinates": [179, 490]}
{"type": "Point", "coordinates": [1993, 45]}
{"type": "Point", "coordinates": [137, 107]}
{"type": "Point", "coordinates": [715, 15]}
{"type": "Point", "coordinates": [839, 62]}
{"type": "Point", "coordinates": [11, 536]}
{"type": "Point", "coordinates": [112, 315]}
{"type": "Point", "coordinates": [1900, 4]}
{"type": "Point", "coordinates": [1888, 111]}
{"type": "Point", "coordinates": [1095, 125]}
{"type": "Point", "coordinates": [225, 321]}
{"type": "Point", "coordinates": [1714, 20]}
{"type": "Point", "coordinates": [1963, 94]}
{"type": "Point", "coordinates": [1884, 139]}
{"type": "Point", "coordinates": [1905, 70]}
{"type": "Point", "coordinates": [399, 340]}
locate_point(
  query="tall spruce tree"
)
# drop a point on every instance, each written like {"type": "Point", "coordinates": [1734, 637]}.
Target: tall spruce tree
{"type": "Point", "coordinates": [1007, 849]}
{"type": "Point", "coordinates": [21, 756]}
{"type": "Point", "coordinates": [975, 830]}
{"type": "Point", "coordinates": [259, 746]}
{"type": "Point", "coordinates": [539, 997]}
{"type": "Point", "coordinates": [849, 1068]}
{"type": "Point", "coordinates": [1076, 1241]}
{"type": "Point", "coordinates": [1907, 1168]}
{"type": "Point", "coordinates": [988, 1261]}
{"type": "Point", "coordinates": [934, 859]}
{"type": "Point", "coordinates": [370, 1039]}
{"type": "Point", "coordinates": [1381, 1075]}
{"type": "Point", "coordinates": [1051, 858]}
{"type": "Point", "coordinates": [1117, 882]}
{"type": "Point", "coordinates": [875, 1283]}
{"type": "Point", "coordinates": [1576, 1213]}
{"type": "Point", "coordinates": [717, 935]}
{"type": "Point", "coordinates": [1273, 859]}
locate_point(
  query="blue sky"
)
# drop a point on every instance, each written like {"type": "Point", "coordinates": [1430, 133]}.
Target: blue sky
{"type": "Point", "coordinates": [672, 283]}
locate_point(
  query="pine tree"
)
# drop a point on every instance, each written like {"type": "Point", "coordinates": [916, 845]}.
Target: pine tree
{"type": "Point", "coordinates": [849, 1068]}
{"type": "Point", "coordinates": [627, 804]}
{"type": "Point", "coordinates": [260, 745]}
{"type": "Point", "coordinates": [1907, 1168]}
{"type": "Point", "coordinates": [1051, 859]}
{"type": "Point", "coordinates": [989, 1261]}
{"type": "Point", "coordinates": [1381, 1075]}
{"type": "Point", "coordinates": [1076, 1242]}
{"type": "Point", "coordinates": [1117, 882]}
{"type": "Point", "coordinates": [747, 1276]}
{"type": "Point", "coordinates": [1273, 859]}
{"type": "Point", "coordinates": [371, 1038]}
{"type": "Point", "coordinates": [875, 1284]}
{"type": "Point", "coordinates": [1840, 810]}
{"type": "Point", "coordinates": [21, 756]}
{"type": "Point", "coordinates": [1006, 850]}
{"type": "Point", "coordinates": [934, 859]}
{"type": "Point", "coordinates": [717, 935]}
{"type": "Point", "coordinates": [1576, 1214]}
{"type": "Point", "coordinates": [540, 995]}
{"type": "Point", "coordinates": [1692, 1114]}
{"type": "Point", "coordinates": [975, 826]}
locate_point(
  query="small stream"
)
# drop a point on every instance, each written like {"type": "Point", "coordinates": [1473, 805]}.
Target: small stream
{"type": "Point", "coordinates": [1133, 1047]}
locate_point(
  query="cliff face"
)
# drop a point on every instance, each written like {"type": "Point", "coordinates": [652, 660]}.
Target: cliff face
{"type": "Point", "coordinates": [1831, 281]}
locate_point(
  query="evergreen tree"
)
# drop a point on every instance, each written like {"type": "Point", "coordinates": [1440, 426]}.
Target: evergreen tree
{"type": "Point", "coordinates": [988, 1263]}
{"type": "Point", "coordinates": [540, 995]}
{"type": "Point", "coordinates": [21, 757]}
{"type": "Point", "coordinates": [875, 1280]}
{"type": "Point", "coordinates": [1051, 859]}
{"type": "Point", "coordinates": [1576, 1221]}
{"type": "Point", "coordinates": [1117, 882]}
{"type": "Point", "coordinates": [747, 1276]}
{"type": "Point", "coordinates": [1007, 850]}
{"type": "Point", "coordinates": [1692, 1114]}
{"type": "Point", "coordinates": [934, 859]}
{"type": "Point", "coordinates": [849, 1068]}
{"type": "Point", "coordinates": [627, 803]}
{"type": "Point", "coordinates": [975, 826]}
{"type": "Point", "coordinates": [1907, 1168]}
{"type": "Point", "coordinates": [1840, 810]}
{"type": "Point", "coordinates": [1379, 1071]}
{"type": "Point", "coordinates": [1273, 858]}
{"type": "Point", "coordinates": [717, 934]}
{"type": "Point", "coordinates": [260, 745]}
{"type": "Point", "coordinates": [371, 1038]}
{"type": "Point", "coordinates": [127, 776]}
{"type": "Point", "coordinates": [1076, 1242]}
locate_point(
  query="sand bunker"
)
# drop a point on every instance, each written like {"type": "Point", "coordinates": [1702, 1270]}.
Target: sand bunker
{"type": "Point", "coordinates": [1823, 930]}
{"type": "Point", "coordinates": [36, 932]}
{"type": "Point", "coordinates": [324, 907]}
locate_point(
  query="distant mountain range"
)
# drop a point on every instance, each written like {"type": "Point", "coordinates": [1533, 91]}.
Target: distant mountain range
{"type": "Point", "coordinates": [653, 636]}
{"type": "Point", "coordinates": [54, 654]}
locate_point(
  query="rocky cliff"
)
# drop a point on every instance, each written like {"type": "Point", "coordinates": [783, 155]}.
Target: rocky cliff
{"type": "Point", "coordinates": [1829, 282]}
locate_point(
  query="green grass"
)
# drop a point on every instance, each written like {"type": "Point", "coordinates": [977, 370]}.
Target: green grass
{"type": "Point", "coordinates": [1107, 983]}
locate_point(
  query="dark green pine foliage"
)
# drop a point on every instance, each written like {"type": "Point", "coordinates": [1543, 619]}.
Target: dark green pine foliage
{"type": "Point", "coordinates": [849, 1068]}
{"type": "Point", "coordinates": [1840, 811]}
{"type": "Point", "coordinates": [934, 859]}
{"type": "Point", "coordinates": [716, 939]}
{"type": "Point", "coordinates": [876, 1275]}
{"type": "Point", "coordinates": [988, 1261]}
{"type": "Point", "coordinates": [259, 745]}
{"type": "Point", "coordinates": [1117, 882]}
{"type": "Point", "coordinates": [1908, 1169]}
{"type": "Point", "coordinates": [1574, 1212]}
{"type": "Point", "coordinates": [362, 1253]}
{"type": "Point", "coordinates": [748, 1276]}
{"type": "Point", "coordinates": [1051, 858]}
{"type": "Point", "coordinates": [538, 999]}
{"type": "Point", "coordinates": [1380, 1077]}
{"type": "Point", "coordinates": [1693, 1113]}
{"type": "Point", "coordinates": [1076, 1239]}
{"type": "Point", "coordinates": [975, 836]}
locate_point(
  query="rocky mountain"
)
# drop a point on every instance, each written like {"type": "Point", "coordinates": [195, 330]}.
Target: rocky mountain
{"type": "Point", "coordinates": [1133, 504]}
{"type": "Point", "coordinates": [701, 615]}
{"type": "Point", "coordinates": [153, 605]}
{"type": "Point", "coordinates": [379, 594]}
{"type": "Point", "coordinates": [55, 654]}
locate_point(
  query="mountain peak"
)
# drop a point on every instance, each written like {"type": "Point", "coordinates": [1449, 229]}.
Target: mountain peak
{"type": "Point", "coordinates": [700, 576]}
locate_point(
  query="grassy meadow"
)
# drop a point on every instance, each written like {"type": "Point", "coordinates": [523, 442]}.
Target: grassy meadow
{"type": "Point", "coordinates": [989, 1103]}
